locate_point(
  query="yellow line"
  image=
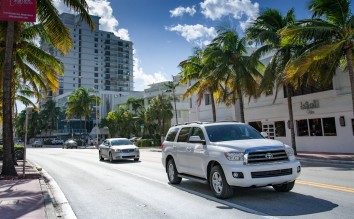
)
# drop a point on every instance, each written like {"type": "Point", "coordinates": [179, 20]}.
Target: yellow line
{"type": "Point", "coordinates": [326, 186]}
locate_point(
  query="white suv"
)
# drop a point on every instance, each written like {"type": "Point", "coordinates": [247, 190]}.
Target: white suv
{"type": "Point", "coordinates": [228, 154]}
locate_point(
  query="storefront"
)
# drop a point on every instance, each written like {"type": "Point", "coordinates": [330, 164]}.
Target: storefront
{"type": "Point", "coordinates": [323, 120]}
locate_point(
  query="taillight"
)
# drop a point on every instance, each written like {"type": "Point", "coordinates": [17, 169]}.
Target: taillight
{"type": "Point", "coordinates": [162, 146]}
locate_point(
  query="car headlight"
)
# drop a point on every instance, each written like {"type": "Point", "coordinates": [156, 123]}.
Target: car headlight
{"type": "Point", "coordinates": [117, 150]}
{"type": "Point", "coordinates": [234, 156]}
{"type": "Point", "coordinates": [289, 151]}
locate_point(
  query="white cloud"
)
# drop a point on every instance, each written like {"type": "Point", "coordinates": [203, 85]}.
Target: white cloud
{"type": "Point", "coordinates": [141, 79]}
{"type": "Point", "coordinates": [197, 34]}
{"type": "Point", "coordinates": [179, 11]}
{"type": "Point", "coordinates": [238, 9]}
{"type": "Point", "coordinates": [103, 9]}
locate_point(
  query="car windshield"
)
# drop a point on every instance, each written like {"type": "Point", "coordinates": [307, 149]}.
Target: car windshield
{"type": "Point", "coordinates": [121, 142]}
{"type": "Point", "coordinates": [230, 132]}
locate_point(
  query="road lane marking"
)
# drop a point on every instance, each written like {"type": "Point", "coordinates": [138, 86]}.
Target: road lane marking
{"type": "Point", "coordinates": [326, 186]}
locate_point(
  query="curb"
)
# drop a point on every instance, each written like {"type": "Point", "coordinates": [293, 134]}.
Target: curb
{"type": "Point", "coordinates": [349, 162]}
{"type": "Point", "coordinates": [56, 204]}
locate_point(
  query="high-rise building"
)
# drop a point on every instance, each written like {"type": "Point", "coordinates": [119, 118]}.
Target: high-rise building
{"type": "Point", "coordinates": [98, 59]}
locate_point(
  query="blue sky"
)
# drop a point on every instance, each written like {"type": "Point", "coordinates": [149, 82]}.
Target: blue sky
{"type": "Point", "coordinates": [164, 32]}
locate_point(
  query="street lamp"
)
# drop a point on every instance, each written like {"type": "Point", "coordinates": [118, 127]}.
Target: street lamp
{"type": "Point", "coordinates": [96, 120]}
{"type": "Point", "coordinates": [28, 114]}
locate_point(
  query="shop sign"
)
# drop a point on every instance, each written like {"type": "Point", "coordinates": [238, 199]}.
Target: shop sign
{"type": "Point", "coordinates": [18, 10]}
{"type": "Point", "coordinates": [309, 106]}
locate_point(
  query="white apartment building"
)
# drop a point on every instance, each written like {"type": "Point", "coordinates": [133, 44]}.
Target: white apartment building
{"type": "Point", "coordinates": [323, 120]}
{"type": "Point", "coordinates": [98, 59]}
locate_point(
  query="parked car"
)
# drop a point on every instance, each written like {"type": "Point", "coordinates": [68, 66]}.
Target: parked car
{"type": "Point", "coordinates": [57, 141]}
{"type": "Point", "coordinates": [118, 148]}
{"type": "Point", "coordinates": [228, 154]}
{"type": "Point", "coordinates": [20, 142]}
{"type": "Point", "coordinates": [37, 144]}
{"type": "Point", "coordinates": [70, 143]}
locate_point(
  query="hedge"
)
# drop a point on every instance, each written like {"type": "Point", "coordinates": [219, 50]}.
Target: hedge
{"type": "Point", "coordinates": [18, 150]}
{"type": "Point", "coordinates": [147, 143]}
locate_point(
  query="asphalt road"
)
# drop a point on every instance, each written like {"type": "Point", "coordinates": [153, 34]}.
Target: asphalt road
{"type": "Point", "coordinates": [128, 189]}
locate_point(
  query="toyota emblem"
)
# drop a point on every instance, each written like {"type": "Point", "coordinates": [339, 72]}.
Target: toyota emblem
{"type": "Point", "coordinates": [269, 155]}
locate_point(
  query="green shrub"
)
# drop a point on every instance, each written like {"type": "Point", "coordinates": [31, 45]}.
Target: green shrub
{"type": "Point", "coordinates": [18, 151]}
{"type": "Point", "coordinates": [47, 142]}
{"type": "Point", "coordinates": [146, 143]}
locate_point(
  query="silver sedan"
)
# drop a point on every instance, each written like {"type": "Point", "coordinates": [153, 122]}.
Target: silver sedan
{"type": "Point", "coordinates": [117, 149]}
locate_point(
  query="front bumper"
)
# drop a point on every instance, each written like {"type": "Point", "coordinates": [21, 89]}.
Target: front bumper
{"type": "Point", "coordinates": [292, 168]}
{"type": "Point", "coordinates": [122, 155]}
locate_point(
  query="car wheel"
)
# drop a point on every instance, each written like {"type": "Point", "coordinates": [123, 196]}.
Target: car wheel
{"type": "Point", "coordinates": [136, 159]}
{"type": "Point", "coordinates": [110, 158]}
{"type": "Point", "coordinates": [100, 156]}
{"type": "Point", "coordinates": [218, 183]}
{"type": "Point", "coordinates": [172, 173]}
{"type": "Point", "coordinates": [285, 187]}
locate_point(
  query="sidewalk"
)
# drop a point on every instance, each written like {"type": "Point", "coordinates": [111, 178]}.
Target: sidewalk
{"type": "Point", "coordinates": [24, 198]}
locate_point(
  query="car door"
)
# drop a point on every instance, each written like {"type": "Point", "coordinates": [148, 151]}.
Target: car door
{"type": "Point", "coordinates": [197, 154]}
{"type": "Point", "coordinates": [105, 148]}
{"type": "Point", "coordinates": [182, 150]}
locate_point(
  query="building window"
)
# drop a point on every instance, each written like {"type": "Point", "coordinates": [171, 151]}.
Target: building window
{"type": "Point", "coordinates": [257, 125]}
{"type": "Point", "coordinates": [280, 129]}
{"type": "Point", "coordinates": [207, 99]}
{"type": "Point", "coordinates": [302, 128]}
{"type": "Point", "coordinates": [96, 68]}
{"type": "Point", "coordinates": [329, 126]}
{"type": "Point", "coordinates": [96, 50]}
{"type": "Point", "coordinates": [96, 75]}
{"type": "Point", "coordinates": [96, 80]}
{"type": "Point", "coordinates": [315, 127]}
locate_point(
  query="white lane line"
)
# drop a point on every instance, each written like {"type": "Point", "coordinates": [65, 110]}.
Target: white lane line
{"type": "Point", "coordinates": [211, 198]}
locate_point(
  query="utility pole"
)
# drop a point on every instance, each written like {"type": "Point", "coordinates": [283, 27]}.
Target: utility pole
{"type": "Point", "coordinates": [28, 115]}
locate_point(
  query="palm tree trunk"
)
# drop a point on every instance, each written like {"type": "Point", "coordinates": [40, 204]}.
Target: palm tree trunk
{"type": "Point", "coordinates": [213, 106]}
{"type": "Point", "coordinates": [291, 117]}
{"type": "Point", "coordinates": [240, 98]}
{"type": "Point", "coordinates": [8, 167]}
{"type": "Point", "coordinates": [351, 73]}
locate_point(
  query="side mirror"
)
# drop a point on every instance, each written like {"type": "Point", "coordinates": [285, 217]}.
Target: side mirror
{"type": "Point", "coordinates": [264, 134]}
{"type": "Point", "coordinates": [196, 139]}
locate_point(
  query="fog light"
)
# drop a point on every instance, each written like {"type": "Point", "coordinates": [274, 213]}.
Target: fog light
{"type": "Point", "coordinates": [238, 175]}
{"type": "Point", "coordinates": [299, 169]}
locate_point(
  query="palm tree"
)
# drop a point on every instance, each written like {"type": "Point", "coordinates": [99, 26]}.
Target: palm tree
{"type": "Point", "coordinates": [171, 87]}
{"type": "Point", "coordinates": [265, 31]}
{"type": "Point", "coordinates": [50, 113]}
{"type": "Point", "coordinates": [194, 68]}
{"type": "Point", "coordinates": [160, 110]}
{"type": "Point", "coordinates": [330, 33]}
{"type": "Point", "coordinates": [59, 37]}
{"type": "Point", "coordinates": [234, 66]}
{"type": "Point", "coordinates": [80, 104]}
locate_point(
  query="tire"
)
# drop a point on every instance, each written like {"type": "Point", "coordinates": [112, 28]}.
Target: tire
{"type": "Point", "coordinates": [285, 187]}
{"type": "Point", "coordinates": [136, 159]}
{"type": "Point", "coordinates": [172, 173]}
{"type": "Point", "coordinates": [218, 183]}
{"type": "Point", "coordinates": [110, 158]}
{"type": "Point", "coordinates": [100, 156]}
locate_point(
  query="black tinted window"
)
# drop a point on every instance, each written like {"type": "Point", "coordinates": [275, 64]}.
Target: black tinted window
{"type": "Point", "coordinates": [183, 134]}
{"type": "Point", "coordinates": [171, 134]}
{"type": "Point", "coordinates": [232, 132]}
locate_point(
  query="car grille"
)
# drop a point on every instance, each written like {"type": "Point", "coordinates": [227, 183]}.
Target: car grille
{"type": "Point", "coordinates": [260, 157]}
{"type": "Point", "coordinates": [272, 173]}
{"type": "Point", "coordinates": [128, 150]}
{"type": "Point", "coordinates": [132, 156]}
